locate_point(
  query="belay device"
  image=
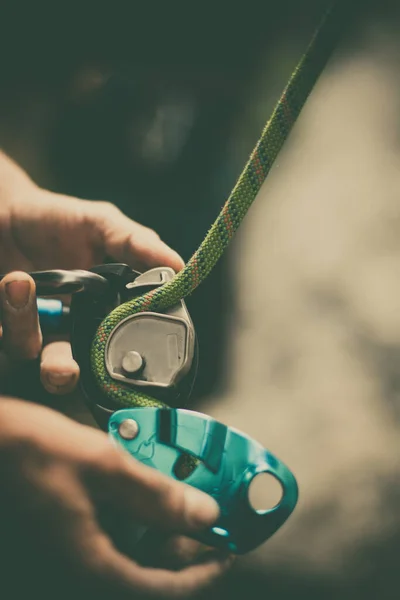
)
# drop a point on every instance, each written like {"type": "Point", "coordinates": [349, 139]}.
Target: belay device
{"type": "Point", "coordinates": [157, 352]}
{"type": "Point", "coordinates": [136, 346]}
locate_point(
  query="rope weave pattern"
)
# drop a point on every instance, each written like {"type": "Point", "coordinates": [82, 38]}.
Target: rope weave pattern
{"type": "Point", "coordinates": [233, 212]}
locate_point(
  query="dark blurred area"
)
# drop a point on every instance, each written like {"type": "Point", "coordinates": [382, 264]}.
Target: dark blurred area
{"type": "Point", "coordinates": [136, 103]}
{"type": "Point", "coordinates": [144, 105]}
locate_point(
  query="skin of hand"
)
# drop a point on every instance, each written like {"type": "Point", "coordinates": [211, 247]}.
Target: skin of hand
{"type": "Point", "coordinates": [57, 477]}
{"type": "Point", "coordinates": [43, 230]}
{"type": "Point", "coordinates": [58, 474]}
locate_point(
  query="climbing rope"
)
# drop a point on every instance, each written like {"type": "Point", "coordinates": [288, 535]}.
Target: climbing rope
{"type": "Point", "coordinates": [233, 212]}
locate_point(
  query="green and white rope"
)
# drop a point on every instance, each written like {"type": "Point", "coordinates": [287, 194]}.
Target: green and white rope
{"type": "Point", "coordinates": [233, 212]}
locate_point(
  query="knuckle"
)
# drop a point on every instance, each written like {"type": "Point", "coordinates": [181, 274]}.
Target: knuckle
{"type": "Point", "coordinates": [172, 502]}
{"type": "Point", "coordinates": [106, 457]}
{"type": "Point", "coordinates": [179, 590]}
{"type": "Point", "coordinates": [30, 351]}
{"type": "Point", "coordinates": [151, 233]}
{"type": "Point", "coordinates": [27, 349]}
{"type": "Point", "coordinates": [91, 563]}
{"type": "Point", "coordinates": [93, 557]}
{"type": "Point", "coordinates": [21, 461]}
{"type": "Point", "coordinates": [106, 208]}
{"type": "Point", "coordinates": [111, 458]}
{"type": "Point", "coordinates": [16, 443]}
{"type": "Point", "coordinates": [182, 550]}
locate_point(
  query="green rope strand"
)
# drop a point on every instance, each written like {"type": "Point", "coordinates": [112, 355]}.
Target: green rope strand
{"type": "Point", "coordinates": [233, 212]}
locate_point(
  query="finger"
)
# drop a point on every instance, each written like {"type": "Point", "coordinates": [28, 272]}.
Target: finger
{"type": "Point", "coordinates": [114, 570]}
{"type": "Point", "coordinates": [150, 497]}
{"type": "Point", "coordinates": [92, 553]}
{"type": "Point", "coordinates": [127, 241]}
{"type": "Point", "coordinates": [22, 338]}
{"type": "Point", "coordinates": [169, 552]}
{"type": "Point", "coordinates": [180, 551]}
{"type": "Point", "coordinates": [160, 583]}
{"type": "Point", "coordinates": [59, 372]}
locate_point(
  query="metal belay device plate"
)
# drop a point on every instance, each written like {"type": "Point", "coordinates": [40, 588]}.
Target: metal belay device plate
{"type": "Point", "coordinates": [152, 349]}
{"type": "Point", "coordinates": [149, 349]}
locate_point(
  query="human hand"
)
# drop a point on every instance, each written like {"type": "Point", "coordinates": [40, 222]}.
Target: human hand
{"type": "Point", "coordinates": [58, 478]}
{"type": "Point", "coordinates": [42, 230]}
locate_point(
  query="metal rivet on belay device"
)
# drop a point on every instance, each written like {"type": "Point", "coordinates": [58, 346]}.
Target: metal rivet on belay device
{"type": "Point", "coordinates": [132, 362]}
{"type": "Point", "coordinates": [128, 429]}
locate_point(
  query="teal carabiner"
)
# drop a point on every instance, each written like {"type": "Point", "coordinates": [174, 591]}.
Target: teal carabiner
{"type": "Point", "coordinates": [229, 461]}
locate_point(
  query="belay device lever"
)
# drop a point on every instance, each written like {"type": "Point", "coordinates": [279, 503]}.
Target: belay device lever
{"type": "Point", "coordinates": [228, 462]}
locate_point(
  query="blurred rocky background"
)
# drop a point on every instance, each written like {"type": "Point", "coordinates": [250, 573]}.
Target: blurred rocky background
{"type": "Point", "coordinates": [155, 106]}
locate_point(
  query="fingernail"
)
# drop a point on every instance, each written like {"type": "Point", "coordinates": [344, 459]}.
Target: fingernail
{"type": "Point", "coordinates": [201, 509]}
{"type": "Point", "coordinates": [18, 293]}
{"type": "Point", "coordinates": [59, 379]}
